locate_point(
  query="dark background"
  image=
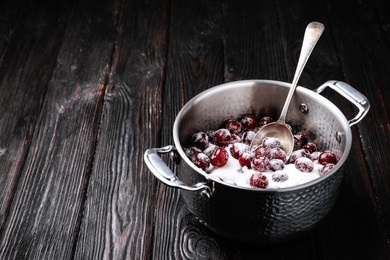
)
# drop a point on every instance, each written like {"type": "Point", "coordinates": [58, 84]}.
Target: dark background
{"type": "Point", "coordinates": [87, 86]}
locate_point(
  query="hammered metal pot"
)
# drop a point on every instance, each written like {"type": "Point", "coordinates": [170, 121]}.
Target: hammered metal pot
{"type": "Point", "coordinates": [256, 215]}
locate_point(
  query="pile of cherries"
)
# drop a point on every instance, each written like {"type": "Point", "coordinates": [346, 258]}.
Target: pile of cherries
{"type": "Point", "coordinates": [208, 150]}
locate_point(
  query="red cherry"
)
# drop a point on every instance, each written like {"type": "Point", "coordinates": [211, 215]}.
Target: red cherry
{"type": "Point", "coordinates": [327, 168]}
{"type": "Point", "coordinates": [238, 148]}
{"type": "Point", "coordinates": [201, 160]}
{"type": "Point", "coordinates": [222, 137]}
{"type": "Point", "coordinates": [265, 121]}
{"type": "Point", "coordinates": [327, 157]}
{"type": "Point", "coordinates": [219, 157]}
{"type": "Point", "coordinates": [245, 159]}
{"type": "Point", "coordinates": [298, 154]}
{"type": "Point", "coordinates": [304, 164]}
{"type": "Point", "coordinates": [278, 153]}
{"type": "Point", "coordinates": [258, 180]}
{"type": "Point", "coordinates": [233, 126]}
{"type": "Point", "coordinates": [311, 147]}
{"type": "Point", "coordinates": [200, 140]}
{"type": "Point", "coordinates": [248, 122]}
{"type": "Point", "coordinates": [260, 163]}
{"type": "Point", "coordinates": [262, 150]}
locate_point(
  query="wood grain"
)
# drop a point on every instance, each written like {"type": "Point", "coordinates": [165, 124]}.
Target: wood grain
{"type": "Point", "coordinates": [118, 220]}
{"type": "Point", "coordinates": [27, 58]}
{"type": "Point", "coordinates": [49, 197]}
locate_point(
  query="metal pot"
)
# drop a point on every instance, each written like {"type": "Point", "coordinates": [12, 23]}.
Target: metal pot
{"type": "Point", "coordinates": [257, 215]}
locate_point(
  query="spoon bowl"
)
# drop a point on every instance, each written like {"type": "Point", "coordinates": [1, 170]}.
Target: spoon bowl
{"type": "Point", "coordinates": [279, 129]}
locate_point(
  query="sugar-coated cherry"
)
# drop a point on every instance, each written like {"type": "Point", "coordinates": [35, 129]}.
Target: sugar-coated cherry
{"type": "Point", "coordinates": [200, 140]}
{"type": "Point", "coordinates": [201, 160]}
{"type": "Point", "coordinates": [248, 122]}
{"type": "Point", "coordinates": [279, 176]}
{"type": "Point", "coordinates": [276, 165]}
{"type": "Point", "coordinates": [327, 157]}
{"type": "Point", "coordinates": [191, 152]}
{"type": "Point", "coordinates": [233, 126]}
{"type": "Point", "coordinates": [304, 164]}
{"type": "Point", "coordinates": [299, 140]}
{"type": "Point", "coordinates": [219, 157]}
{"type": "Point", "coordinates": [271, 142]}
{"type": "Point", "coordinates": [265, 121]}
{"type": "Point", "coordinates": [262, 150]}
{"type": "Point", "coordinates": [327, 168]}
{"type": "Point", "coordinates": [222, 137]}
{"type": "Point", "coordinates": [235, 138]}
{"type": "Point", "coordinates": [258, 180]}
{"type": "Point", "coordinates": [314, 156]}
{"type": "Point", "coordinates": [247, 137]}
{"type": "Point", "coordinates": [260, 163]}
{"type": "Point", "coordinates": [311, 147]}
{"type": "Point", "coordinates": [278, 153]}
{"type": "Point", "coordinates": [238, 148]}
{"type": "Point", "coordinates": [245, 159]}
{"type": "Point", "coordinates": [298, 154]}
{"type": "Point", "coordinates": [210, 149]}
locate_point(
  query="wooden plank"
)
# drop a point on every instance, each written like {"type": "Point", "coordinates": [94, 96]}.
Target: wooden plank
{"type": "Point", "coordinates": [47, 206]}
{"type": "Point", "coordinates": [118, 220]}
{"type": "Point", "coordinates": [363, 64]}
{"type": "Point", "coordinates": [28, 55]}
{"type": "Point", "coordinates": [195, 63]}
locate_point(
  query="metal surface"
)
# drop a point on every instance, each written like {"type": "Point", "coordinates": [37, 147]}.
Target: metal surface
{"type": "Point", "coordinates": [257, 215]}
{"type": "Point", "coordinates": [279, 129]}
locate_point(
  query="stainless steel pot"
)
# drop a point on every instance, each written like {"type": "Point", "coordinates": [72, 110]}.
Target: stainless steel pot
{"type": "Point", "coordinates": [257, 215]}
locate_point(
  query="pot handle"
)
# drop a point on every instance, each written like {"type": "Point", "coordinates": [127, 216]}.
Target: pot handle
{"type": "Point", "coordinates": [352, 95]}
{"type": "Point", "coordinates": [159, 168]}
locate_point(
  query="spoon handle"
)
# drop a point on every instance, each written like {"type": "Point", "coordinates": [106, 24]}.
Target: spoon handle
{"type": "Point", "coordinates": [312, 34]}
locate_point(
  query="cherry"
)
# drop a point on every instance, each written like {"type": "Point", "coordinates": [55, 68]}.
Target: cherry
{"type": "Point", "coordinates": [238, 148]}
{"type": "Point", "coordinates": [276, 165]}
{"type": "Point", "coordinates": [219, 157]}
{"type": "Point", "coordinates": [260, 163]}
{"type": "Point", "coordinates": [327, 167]}
{"type": "Point", "coordinates": [247, 137]}
{"type": "Point", "coordinates": [210, 149]}
{"type": "Point", "coordinates": [271, 142]}
{"type": "Point", "coordinates": [299, 140]}
{"type": "Point", "coordinates": [265, 121]}
{"type": "Point", "coordinates": [304, 164]}
{"type": "Point", "coordinates": [311, 147]}
{"type": "Point", "coordinates": [314, 156]}
{"type": "Point", "coordinates": [298, 154]}
{"type": "Point", "coordinates": [327, 157]}
{"type": "Point", "coordinates": [258, 180]}
{"type": "Point", "coordinates": [233, 126]}
{"type": "Point", "coordinates": [200, 140]}
{"type": "Point", "coordinates": [201, 160]}
{"type": "Point", "coordinates": [245, 159]}
{"type": "Point", "coordinates": [192, 152]}
{"type": "Point", "coordinates": [248, 122]}
{"type": "Point", "coordinates": [262, 150]}
{"type": "Point", "coordinates": [235, 139]}
{"type": "Point", "coordinates": [222, 137]}
{"type": "Point", "coordinates": [278, 153]}
{"type": "Point", "coordinates": [279, 176]}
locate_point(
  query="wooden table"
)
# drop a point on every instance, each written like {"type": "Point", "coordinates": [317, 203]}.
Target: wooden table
{"type": "Point", "coordinates": [87, 86]}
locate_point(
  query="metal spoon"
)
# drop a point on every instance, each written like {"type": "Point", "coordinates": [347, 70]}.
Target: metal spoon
{"type": "Point", "coordinates": [279, 129]}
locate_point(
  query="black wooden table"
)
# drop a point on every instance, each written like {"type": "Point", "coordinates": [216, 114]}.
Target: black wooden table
{"type": "Point", "coordinates": [87, 86]}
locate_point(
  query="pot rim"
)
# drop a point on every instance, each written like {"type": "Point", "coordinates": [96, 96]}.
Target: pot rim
{"type": "Point", "coordinates": [319, 98]}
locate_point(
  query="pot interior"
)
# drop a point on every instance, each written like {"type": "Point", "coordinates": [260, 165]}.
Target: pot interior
{"type": "Point", "coordinates": [326, 124]}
